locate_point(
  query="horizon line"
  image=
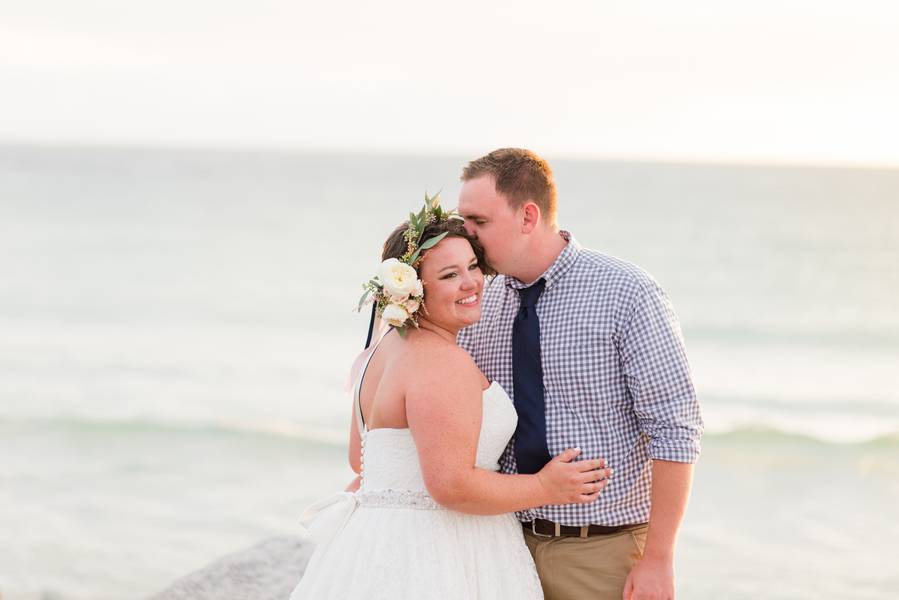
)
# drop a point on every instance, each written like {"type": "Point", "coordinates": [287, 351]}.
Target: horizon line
{"type": "Point", "coordinates": [361, 150]}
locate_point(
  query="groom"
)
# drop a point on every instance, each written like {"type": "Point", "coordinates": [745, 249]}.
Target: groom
{"type": "Point", "coordinates": [592, 352]}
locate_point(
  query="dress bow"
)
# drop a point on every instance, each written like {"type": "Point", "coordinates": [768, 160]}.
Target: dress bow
{"type": "Point", "coordinates": [324, 519]}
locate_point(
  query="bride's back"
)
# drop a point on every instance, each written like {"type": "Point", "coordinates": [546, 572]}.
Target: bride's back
{"type": "Point", "coordinates": [398, 364]}
{"type": "Point", "coordinates": [423, 374]}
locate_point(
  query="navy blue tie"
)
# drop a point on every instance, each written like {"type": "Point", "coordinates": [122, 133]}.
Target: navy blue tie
{"type": "Point", "coordinates": [527, 384]}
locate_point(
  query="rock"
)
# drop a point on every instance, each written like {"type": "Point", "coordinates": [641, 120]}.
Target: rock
{"type": "Point", "coordinates": [267, 571]}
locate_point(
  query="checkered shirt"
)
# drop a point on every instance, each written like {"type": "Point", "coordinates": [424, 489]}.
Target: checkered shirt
{"type": "Point", "coordinates": [615, 376]}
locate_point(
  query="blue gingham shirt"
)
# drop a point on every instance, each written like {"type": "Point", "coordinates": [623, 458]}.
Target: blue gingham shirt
{"type": "Point", "coordinates": [615, 376]}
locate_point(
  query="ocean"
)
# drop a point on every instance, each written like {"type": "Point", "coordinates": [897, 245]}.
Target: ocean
{"type": "Point", "coordinates": [176, 327]}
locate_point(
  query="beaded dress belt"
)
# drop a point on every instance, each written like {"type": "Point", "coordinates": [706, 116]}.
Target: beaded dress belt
{"type": "Point", "coordinates": [545, 528]}
{"type": "Point", "coordinates": [389, 498]}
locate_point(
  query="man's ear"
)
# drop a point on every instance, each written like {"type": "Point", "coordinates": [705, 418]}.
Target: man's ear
{"type": "Point", "coordinates": [531, 217]}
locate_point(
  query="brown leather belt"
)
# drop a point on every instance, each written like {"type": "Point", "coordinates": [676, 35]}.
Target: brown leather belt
{"type": "Point", "coordinates": [545, 528]}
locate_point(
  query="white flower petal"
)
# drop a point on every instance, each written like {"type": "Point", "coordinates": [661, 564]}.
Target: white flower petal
{"type": "Point", "coordinates": [395, 315]}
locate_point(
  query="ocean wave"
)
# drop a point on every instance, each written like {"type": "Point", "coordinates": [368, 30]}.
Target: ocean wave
{"type": "Point", "coordinates": [757, 434]}
{"type": "Point", "coordinates": [217, 428]}
{"type": "Point", "coordinates": [880, 338]}
{"type": "Point", "coordinates": [748, 433]}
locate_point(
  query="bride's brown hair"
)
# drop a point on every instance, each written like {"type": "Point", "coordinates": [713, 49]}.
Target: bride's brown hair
{"type": "Point", "coordinates": [395, 245]}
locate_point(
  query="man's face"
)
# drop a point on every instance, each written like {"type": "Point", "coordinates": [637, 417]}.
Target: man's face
{"type": "Point", "coordinates": [488, 216]}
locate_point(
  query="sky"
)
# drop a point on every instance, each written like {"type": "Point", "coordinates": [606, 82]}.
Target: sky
{"type": "Point", "coordinates": [766, 81]}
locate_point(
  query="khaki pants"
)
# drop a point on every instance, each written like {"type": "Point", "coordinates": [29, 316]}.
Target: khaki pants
{"type": "Point", "coordinates": [590, 568]}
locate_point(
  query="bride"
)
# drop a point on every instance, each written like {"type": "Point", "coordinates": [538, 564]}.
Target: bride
{"type": "Point", "coordinates": [429, 515]}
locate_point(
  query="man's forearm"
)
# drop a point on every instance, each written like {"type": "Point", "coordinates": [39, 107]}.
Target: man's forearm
{"type": "Point", "coordinates": [671, 482]}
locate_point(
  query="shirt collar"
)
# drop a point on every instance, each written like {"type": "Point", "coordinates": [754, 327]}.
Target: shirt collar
{"type": "Point", "coordinates": [554, 273]}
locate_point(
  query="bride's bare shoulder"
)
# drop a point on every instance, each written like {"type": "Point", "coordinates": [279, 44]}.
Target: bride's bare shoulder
{"type": "Point", "coordinates": [437, 362]}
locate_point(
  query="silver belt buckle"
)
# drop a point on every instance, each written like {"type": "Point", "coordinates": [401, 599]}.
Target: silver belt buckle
{"type": "Point", "coordinates": [545, 535]}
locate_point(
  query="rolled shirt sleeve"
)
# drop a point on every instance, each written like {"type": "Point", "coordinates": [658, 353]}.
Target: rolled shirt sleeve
{"type": "Point", "coordinates": [654, 363]}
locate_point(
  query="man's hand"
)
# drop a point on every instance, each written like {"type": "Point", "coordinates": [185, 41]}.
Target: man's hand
{"type": "Point", "coordinates": [650, 579]}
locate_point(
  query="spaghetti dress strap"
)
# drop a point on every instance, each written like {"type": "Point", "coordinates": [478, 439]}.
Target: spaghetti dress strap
{"type": "Point", "coordinates": [357, 390]}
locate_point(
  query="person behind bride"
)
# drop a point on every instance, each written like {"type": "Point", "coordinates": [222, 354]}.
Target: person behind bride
{"type": "Point", "coordinates": [430, 516]}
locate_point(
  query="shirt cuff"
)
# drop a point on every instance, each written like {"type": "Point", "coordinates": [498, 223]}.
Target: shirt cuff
{"type": "Point", "coordinates": [683, 451]}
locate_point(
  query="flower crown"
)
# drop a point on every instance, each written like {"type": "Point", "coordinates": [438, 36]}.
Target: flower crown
{"type": "Point", "coordinates": [396, 291]}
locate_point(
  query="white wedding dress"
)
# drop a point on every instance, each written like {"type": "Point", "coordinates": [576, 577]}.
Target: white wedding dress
{"type": "Point", "coordinates": [391, 540]}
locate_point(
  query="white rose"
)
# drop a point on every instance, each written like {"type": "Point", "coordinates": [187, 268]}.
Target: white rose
{"type": "Point", "coordinates": [419, 289]}
{"type": "Point", "coordinates": [395, 315]}
{"type": "Point", "coordinates": [398, 278]}
{"type": "Point", "coordinates": [411, 305]}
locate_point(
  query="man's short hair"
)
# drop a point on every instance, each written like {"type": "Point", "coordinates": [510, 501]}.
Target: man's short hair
{"type": "Point", "coordinates": [520, 175]}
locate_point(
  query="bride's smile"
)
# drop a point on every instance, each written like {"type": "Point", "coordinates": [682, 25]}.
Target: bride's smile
{"type": "Point", "coordinates": [453, 283]}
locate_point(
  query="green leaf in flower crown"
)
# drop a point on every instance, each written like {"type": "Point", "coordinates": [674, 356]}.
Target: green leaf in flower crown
{"type": "Point", "coordinates": [428, 244]}
{"type": "Point", "coordinates": [362, 300]}
{"type": "Point", "coordinates": [433, 241]}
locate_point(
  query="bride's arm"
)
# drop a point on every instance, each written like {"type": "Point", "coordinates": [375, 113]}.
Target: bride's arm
{"type": "Point", "coordinates": [444, 408]}
{"type": "Point", "coordinates": [354, 485]}
{"type": "Point", "coordinates": [355, 452]}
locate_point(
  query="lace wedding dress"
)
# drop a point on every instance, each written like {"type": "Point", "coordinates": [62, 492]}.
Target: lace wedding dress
{"type": "Point", "coordinates": [391, 540]}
